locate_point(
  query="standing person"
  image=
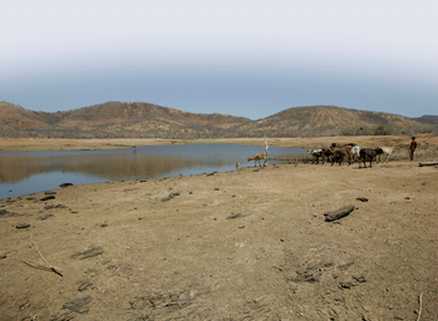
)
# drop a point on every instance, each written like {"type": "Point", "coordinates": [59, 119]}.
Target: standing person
{"type": "Point", "coordinates": [412, 148]}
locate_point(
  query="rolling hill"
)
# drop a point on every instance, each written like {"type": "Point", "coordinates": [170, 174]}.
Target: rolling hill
{"type": "Point", "coordinates": [145, 120]}
{"type": "Point", "coordinates": [333, 120]}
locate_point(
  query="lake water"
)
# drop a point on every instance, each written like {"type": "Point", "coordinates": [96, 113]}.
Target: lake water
{"type": "Point", "coordinates": [28, 172]}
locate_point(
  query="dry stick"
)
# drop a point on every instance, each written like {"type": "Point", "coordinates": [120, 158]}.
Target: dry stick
{"type": "Point", "coordinates": [47, 267]}
{"type": "Point", "coordinates": [420, 299]}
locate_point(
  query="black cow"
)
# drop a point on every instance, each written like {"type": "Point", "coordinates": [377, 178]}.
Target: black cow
{"type": "Point", "coordinates": [369, 155]}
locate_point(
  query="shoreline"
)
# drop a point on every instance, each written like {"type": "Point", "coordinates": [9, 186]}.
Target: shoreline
{"type": "Point", "coordinates": [60, 144]}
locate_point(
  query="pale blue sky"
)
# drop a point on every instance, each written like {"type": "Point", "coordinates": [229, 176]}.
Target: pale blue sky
{"type": "Point", "coordinates": [249, 58]}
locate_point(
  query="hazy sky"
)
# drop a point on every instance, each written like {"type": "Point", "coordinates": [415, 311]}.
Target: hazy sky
{"type": "Point", "coordinates": [246, 57]}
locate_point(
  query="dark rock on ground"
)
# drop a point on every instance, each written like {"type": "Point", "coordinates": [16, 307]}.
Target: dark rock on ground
{"type": "Point", "coordinates": [22, 225]}
{"type": "Point", "coordinates": [64, 185]}
{"type": "Point", "coordinates": [5, 213]}
{"type": "Point", "coordinates": [346, 284]}
{"type": "Point", "coordinates": [3, 256]}
{"type": "Point", "coordinates": [91, 252]}
{"type": "Point", "coordinates": [47, 198]}
{"type": "Point", "coordinates": [53, 206]}
{"type": "Point", "coordinates": [359, 279]}
{"type": "Point", "coordinates": [85, 285]}
{"type": "Point", "coordinates": [78, 305]}
{"type": "Point", "coordinates": [233, 216]}
{"type": "Point", "coordinates": [362, 199]}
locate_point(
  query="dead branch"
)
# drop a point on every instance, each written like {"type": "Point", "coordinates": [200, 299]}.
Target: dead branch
{"type": "Point", "coordinates": [49, 268]}
{"type": "Point", "coordinates": [420, 302]}
{"type": "Point", "coordinates": [428, 164]}
{"type": "Point", "coordinates": [44, 267]}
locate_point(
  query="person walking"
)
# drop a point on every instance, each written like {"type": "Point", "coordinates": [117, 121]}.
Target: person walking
{"type": "Point", "coordinates": [412, 148]}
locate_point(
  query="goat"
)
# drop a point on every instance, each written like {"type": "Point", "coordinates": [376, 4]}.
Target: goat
{"type": "Point", "coordinates": [340, 154]}
{"type": "Point", "coordinates": [368, 155]}
{"type": "Point", "coordinates": [387, 152]}
{"type": "Point", "coordinates": [258, 158]}
{"type": "Point", "coordinates": [317, 154]}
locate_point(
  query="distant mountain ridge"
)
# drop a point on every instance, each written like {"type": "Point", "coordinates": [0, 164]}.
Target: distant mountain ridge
{"type": "Point", "coordinates": [144, 120]}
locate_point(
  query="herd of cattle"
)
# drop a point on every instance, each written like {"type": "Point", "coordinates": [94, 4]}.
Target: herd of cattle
{"type": "Point", "coordinates": [350, 153]}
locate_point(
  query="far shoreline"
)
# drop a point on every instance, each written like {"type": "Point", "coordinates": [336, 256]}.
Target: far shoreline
{"type": "Point", "coordinates": [63, 144]}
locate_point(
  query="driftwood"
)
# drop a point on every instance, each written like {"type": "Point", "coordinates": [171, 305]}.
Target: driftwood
{"type": "Point", "coordinates": [428, 164]}
{"type": "Point", "coordinates": [44, 267]}
{"type": "Point", "coordinates": [420, 302]}
{"type": "Point", "coordinates": [340, 213]}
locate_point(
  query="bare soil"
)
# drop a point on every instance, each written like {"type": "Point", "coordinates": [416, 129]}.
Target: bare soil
{"type": "Point", "coordinates": [246, 245]}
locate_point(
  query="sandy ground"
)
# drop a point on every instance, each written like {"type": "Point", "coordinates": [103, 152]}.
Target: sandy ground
{"type": "Point", "coordinates": [247, 245]}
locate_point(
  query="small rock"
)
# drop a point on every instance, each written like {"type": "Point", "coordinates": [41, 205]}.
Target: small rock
{"type": "Point", "coordinates": [47, 198]}
{"type": "Point", "coordinates": [346, 284]}
{"type": "Point", "coordinates": [53, 206]}
{"type": "Point", "coordinates": [84, 285]}
{"type": "Point", "coordinates": [211, 174]}
{"type": "Point", "coordinates": [233, 216]}
{"type": "Point", "coordinates": [241, 226]}
{"type": "Point", "coordinates": [3, 256]}
{"type": "Point", "coordinates": [78, 305]}
{"type": "Point", "coordinates": [45, 216]}
{"type": "Point", "coordinates": [362, 199]}
{"type": "Point", "coordinates": [104, 225]}
{"type": "Point", "coordinates": [233, 196]}
{"type": "Point", "coordinates": [216, 189]}
{"type": "Point", "coordinates": [359, 279]}
{"type": "Point", "coordinates": [170, 196]}
{"type": "Point", "coordinates": [22, 225]}
{"type": "Point", "coordinates": [407, 198]}
{"type": "Point", "coordinates": [5, 213]}
{"type": "Point", "coordinates": [91, 252]}
{"type": "Point", "coordinates": [64, 185]}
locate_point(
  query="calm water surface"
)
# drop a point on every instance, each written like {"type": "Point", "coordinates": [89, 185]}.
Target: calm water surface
{"type": "Point", "coordinates": [28, 172]}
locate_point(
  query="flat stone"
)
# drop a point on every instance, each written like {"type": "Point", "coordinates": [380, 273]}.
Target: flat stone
{"type": "Point", "coordinates": [22, 225]}
{"type": "Point", "coordinates": [64, 185]}
{"type": "Point", "coordinates": [84, 285]}
{"type": "Point", "coordinates": [45, 216]}
{"type": "Point", "coordinates": [47, 198]}
{"type": "Point", "coordinates": [78, 305]}
{"type": "Point", "coordinates": [88, 253]}
{"type": "Point", "coordinates": [170, 196]}
{"type": "Point", "coordinates": [233, 216]}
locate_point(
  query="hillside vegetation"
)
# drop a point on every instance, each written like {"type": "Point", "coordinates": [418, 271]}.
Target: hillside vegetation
{"type": "Point", "coordinates": [144, 120]}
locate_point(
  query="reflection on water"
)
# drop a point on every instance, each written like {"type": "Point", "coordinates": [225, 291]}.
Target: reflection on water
{"type": "Point", "coordinates": [27, 172]}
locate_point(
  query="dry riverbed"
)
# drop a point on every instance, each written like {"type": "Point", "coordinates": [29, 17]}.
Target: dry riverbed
{"type": "Point", "coordinates": [247, 245]}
